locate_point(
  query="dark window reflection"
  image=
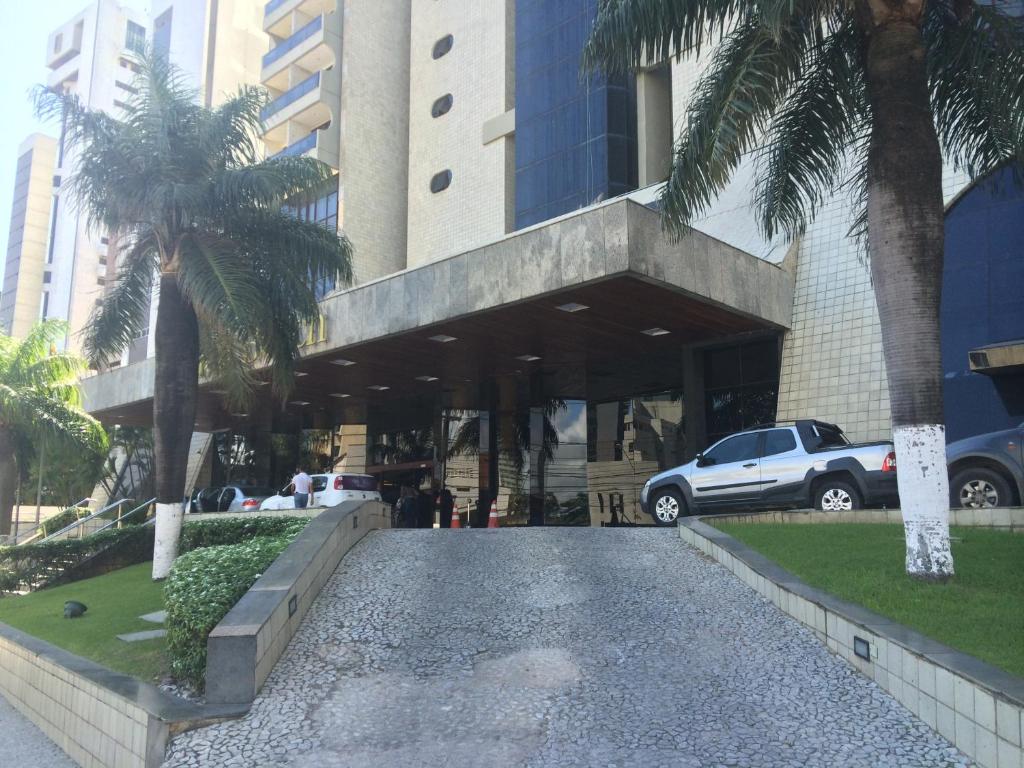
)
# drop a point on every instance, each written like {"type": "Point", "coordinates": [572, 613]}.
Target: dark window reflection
{"type": "Point", "coordinates": [741, 387]}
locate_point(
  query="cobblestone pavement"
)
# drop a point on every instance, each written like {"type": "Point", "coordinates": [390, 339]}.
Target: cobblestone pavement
{"type": "Point", "coordinates": [25, 746]}
{"type": "Point", "coordinates": [557, 647]}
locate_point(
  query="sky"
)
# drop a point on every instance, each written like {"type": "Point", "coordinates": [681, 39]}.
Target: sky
{"type": "Point", "coordinates": [22, 60]}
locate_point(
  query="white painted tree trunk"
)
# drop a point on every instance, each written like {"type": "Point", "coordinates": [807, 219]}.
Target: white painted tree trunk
{"type": "Point", "coordinates": [168, 532]}
{"type": "Point", "coordinates": [924, 498]}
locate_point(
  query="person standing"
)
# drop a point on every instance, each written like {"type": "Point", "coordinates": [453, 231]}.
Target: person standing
{"type": "Point", "coordinates": [407, 508]}
{"type": "Point", "coordinates": [300, 487]}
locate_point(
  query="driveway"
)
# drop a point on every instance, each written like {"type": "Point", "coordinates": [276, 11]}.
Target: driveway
{"type": "Point", "coordinates": [557, 647]}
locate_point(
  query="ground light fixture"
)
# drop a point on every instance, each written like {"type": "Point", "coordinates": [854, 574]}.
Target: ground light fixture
{"type": "Point", "coordinates": [339, 394]}
{"type": "Point", "coordinates": [426, 378]}
{"type": "Point", "coordinates": [342, 362]}
{"type": "Point", "coordinates": [572, 306]}
{"type": "Point", "coordinates": [442, 338]}
{"type": "Point", "coordinates": [378, 387]}
{"type": "Point", "coordinates": [862, 648]}
{"type": "Point", "coordinates": [528, 358]}
{"type": "Point", "coordinates": [656, 332]}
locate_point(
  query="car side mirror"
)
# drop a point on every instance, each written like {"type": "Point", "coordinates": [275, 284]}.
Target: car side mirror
{"type": "Point", "coordinates": [701, 462]}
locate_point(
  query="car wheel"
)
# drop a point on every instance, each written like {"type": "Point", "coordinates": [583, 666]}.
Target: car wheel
{"type": "Point", "coordinates": [666, 506]}
{"type": "Point", "coordinates": [979, 488]}
{"type": "Point", "coordinates": [836, 496]}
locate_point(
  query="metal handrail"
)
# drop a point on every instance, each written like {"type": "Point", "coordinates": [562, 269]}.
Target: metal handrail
{"type": "Point", "coordinates": [125, 516]}
{"type": "Point", "coordinates": [81, 521]}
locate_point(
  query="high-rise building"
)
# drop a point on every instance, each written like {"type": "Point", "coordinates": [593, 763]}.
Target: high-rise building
{"type": "Point", "coordinates": [27, 273]}
{"type": "Point", "coordinates": [90, 55]}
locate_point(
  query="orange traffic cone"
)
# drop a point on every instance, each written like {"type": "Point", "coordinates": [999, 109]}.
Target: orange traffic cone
{"type": "Point", "coordinates": [492, 519]}
{"type": "Point", "coordinates": [456, 522]}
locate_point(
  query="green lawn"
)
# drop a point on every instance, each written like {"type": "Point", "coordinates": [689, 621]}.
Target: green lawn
{"type": "Point", "coordinates": [115, 601]}
{"type": "Point", "coordinates": [980, 611]}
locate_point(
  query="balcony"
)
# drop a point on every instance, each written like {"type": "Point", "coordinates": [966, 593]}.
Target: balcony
{"type": "Point", "coordinates": [303, 146]}
{"type": "Point", "coordinates": [277, 14]}
{"type": "Point", "coordinates": [290, 96]}
{"type": "Point", "coordinates": [306, 51]}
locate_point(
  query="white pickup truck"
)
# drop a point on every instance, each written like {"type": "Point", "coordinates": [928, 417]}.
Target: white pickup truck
{"type": "Point", "coordinates": [784, 465]}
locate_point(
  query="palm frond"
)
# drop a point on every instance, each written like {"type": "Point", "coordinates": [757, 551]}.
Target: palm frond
{"type": "Point", "coordinates": [976, 72]}
{"type": "Point", "coordinates": [806, 149]}
{"type": "Point", "coordinates": [122, 314]}
{"type": "Point", "coordinates": [227, 359]}
{"type": "Point", "coordinates": [268, 184]}
{"type": "Point", "coordinates": [629, 34]}
{"type": "Point", "coordinates": [751, 73]}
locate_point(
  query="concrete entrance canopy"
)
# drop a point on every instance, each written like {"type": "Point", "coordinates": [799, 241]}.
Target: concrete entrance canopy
{"type": "Point", "coordinates": [510, 301]}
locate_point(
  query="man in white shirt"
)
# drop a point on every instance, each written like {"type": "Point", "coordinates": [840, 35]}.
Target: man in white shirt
{"type": "Point", "coordinates": [300, 485]}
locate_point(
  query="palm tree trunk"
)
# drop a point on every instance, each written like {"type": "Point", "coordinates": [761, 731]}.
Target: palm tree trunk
{"type": "Point", "coordinates": [905, 231]}
{"type": "Point", "coordinates": [8, 480]}
{"type": "Point", "coordinates": [174, 412]}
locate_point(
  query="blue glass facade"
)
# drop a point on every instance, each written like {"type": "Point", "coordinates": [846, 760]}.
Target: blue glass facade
{"type": "Point", "coordinates": [983, 303]}
{"type": "Point", "coordinates": [575, 137]}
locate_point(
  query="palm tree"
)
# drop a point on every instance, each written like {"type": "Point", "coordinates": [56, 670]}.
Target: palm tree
{"type": "Point", "coordinates": [186, 199]}
{"type": "Point", "coordinates": [870, 92]}
{"type": "Point", "coordinates": [39, 400]}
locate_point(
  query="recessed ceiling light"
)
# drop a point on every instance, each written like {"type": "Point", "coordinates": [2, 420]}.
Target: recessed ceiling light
{"type": "Point", "coordinates": [528, 358]}
{"type": "Point", "coordinates": [339, 394]}
{"type": "Point", "coordinates": [240, 415]}
{"type": "Point", "coordinates": [342, 362]}
{"type": "Point", "coordinates": [572, 306]}
{"type": "Point", "coordinates": [442, 338]}
{"type": "Point", "coordinates": [378, 387]}
{"type": "Point", "coordinates": [261, 383]}
{"type": "Point", "coordinates": [299, 402]}
{"type": "Point", "coordinates": [656, 332]}
{"type": "Point", "coordinates": [301, 373]}
{"type": "Point", "coordinates": [426, 378]}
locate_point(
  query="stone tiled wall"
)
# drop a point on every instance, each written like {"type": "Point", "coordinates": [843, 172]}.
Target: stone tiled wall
{"type": "Point", "coordinates": [374, 134]}
{"type": "Point", "coordinates": [472, 211]}
{"type": "Point", "coordinates": [244, 647]}
{"type": "Point", "coordinates": [91, 723]}
{"type": "Point", "coordinates": [976, 707]}
{"type": "Point", "coordinates": [832, 365]}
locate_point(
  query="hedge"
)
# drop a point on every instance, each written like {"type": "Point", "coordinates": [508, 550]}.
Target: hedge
{"type": "Point", "coordinates": [203, 586]}
{"type": "Point", "coordinates": [61, 520]}
{"type": "Point", "coordinates": [34, 564]}
{"type": "Point", "coordinates": [214, 533]}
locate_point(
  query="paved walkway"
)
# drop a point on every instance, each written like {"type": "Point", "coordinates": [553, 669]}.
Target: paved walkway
{"type": "Point", "coordinates": [557, 647]}
{"type": "Point", "coordinates": [23, 745]}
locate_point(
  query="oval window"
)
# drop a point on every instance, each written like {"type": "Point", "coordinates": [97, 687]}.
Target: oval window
{"type": "Point", "coordinates": [440, 181]}
{"type": "Point", "coordinates": [441, 106]}
{"type": "Point", "coordinates": [442, 46]}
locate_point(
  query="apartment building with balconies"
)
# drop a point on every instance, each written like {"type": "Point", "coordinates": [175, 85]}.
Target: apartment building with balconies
{"type": "Point", "coordinates": [90, 55]}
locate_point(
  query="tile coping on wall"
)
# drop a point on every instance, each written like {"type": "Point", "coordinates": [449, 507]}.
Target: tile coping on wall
{"type": "Point", "coordinates": [991, 734]}
{"type": "Point", "coordinates": [1011, 518]}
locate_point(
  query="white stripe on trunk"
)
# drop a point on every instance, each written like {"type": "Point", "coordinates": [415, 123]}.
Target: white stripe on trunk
{"type": "Point", "coordinates": [168, 532]}
{"type": "Point", "coordinates": [924, 498]}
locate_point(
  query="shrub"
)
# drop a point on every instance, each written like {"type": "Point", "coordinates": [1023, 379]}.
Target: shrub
{"type": "Point", "coordinates": [34, 564]}
{"type": "Point", "coordinates": [61, 520]}
{"type": "Point", "coordinates": [213, 533]}
{"type": "Point", "coordinates": [203, 586]}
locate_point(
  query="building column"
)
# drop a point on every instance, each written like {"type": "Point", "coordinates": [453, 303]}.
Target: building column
{"type": "Point", "coordinates": [696, 438]}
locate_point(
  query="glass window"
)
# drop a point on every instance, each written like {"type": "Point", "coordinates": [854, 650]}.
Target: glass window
{"type": "Point", "coordinates": [319, 483]}
{"type": "Point", "coordinates": [135, 38]}
{"type": "Point", "coordinates": [733, 449]}
{"type": "Point", "coordinates": [440, 181]}
{"type": "Point", "coordinates": [778, 441]}
{"type": "Point", "coordinates": [441, 106]}
{"type": "Point", "coordinates": [442, 46]}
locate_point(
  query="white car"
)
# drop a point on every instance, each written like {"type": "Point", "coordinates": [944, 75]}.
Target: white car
{"type": "Point", "coordinates": [329, 490]}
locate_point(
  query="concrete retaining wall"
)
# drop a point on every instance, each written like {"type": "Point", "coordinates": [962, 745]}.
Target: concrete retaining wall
{"type": "Point", "coordinates": [98, 717]}
{"type": "Point", "coordinates": [245, 646]}
{"type": "Point", "coordinates": [978, 707]}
